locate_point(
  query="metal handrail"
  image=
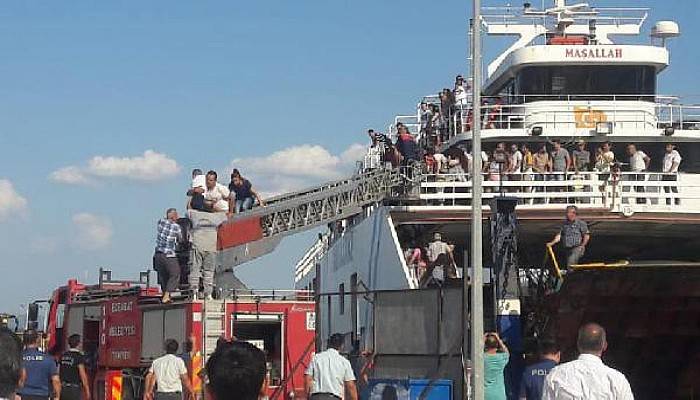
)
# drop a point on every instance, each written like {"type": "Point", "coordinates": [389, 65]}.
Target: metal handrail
{"type": "Point", "coordinates": [271, 294]}
{"type": "Point", "coordinates": [526, 111]}
{"type": "Point", "coordinates": [617, 191]}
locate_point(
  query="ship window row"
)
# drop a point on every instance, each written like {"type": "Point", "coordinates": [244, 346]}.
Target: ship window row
{"type": "Point", "coordinates": [589, 82]}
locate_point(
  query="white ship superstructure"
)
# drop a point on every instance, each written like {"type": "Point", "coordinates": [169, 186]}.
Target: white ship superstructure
{"type": "Point", "coordinates": [572, 73]}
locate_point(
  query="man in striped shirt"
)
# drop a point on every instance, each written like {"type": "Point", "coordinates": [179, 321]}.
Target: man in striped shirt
{"type": "Point", "coordinates": [165, 259]}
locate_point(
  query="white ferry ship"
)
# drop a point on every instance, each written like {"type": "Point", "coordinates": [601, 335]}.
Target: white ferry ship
{"type": "Point", "coordinates": [572, 73]}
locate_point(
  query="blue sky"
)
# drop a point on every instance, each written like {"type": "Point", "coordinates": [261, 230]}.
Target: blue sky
{"type": "Point", "coordinates": [205, 84]}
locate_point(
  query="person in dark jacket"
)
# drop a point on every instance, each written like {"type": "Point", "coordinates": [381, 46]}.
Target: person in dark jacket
{"type": "Point", "coordinates": [407, 146]}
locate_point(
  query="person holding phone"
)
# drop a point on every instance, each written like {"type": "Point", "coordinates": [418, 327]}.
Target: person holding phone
{"type": "Point", "coordinates": [496, 358]}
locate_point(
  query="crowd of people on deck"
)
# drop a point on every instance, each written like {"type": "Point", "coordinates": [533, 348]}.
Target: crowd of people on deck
{"type": "Point", "coordinates": [536, 161]}
{"type": "Point", "coordinates": [516, 158]}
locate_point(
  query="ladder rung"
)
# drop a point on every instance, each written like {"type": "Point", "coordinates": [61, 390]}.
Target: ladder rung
{"type": "Point", "coordinates": [214, 313]}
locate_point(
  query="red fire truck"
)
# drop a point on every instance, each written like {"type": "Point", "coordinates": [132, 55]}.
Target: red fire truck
{"type": "Point", "coordinates": [124, 325]}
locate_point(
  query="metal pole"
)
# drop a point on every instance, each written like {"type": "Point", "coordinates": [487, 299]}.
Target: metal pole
{"type": "Point", "coordinates": [477, 299]}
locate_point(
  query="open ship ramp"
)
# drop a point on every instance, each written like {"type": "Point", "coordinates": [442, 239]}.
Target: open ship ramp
{"type": "Point", "coordinates": [651, 312]}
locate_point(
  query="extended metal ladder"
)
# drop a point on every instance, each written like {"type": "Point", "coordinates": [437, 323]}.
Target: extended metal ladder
{"type": "Point", "coordinates": [306, 209]}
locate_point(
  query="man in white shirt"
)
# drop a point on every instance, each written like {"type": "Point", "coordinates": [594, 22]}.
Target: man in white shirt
{"type": "Point", "coordinates": [460, 91]}
{"type": "Point", "coordinates": [217, 197]}
{"type": "Point", "coordinates": [639, 162]}
{"type": "Point", "coordinates": [169, 374]}
{"type": "Point", "coordinates": [516, 159]}
{"type": "Point", "coordinates": [672, 160]}
{"type": "Point", "coordinates": [329, 375]}
{"type": "Point", "coordinates": [587, 378]}
{"type": "Point", "coordinates": [196, 190]}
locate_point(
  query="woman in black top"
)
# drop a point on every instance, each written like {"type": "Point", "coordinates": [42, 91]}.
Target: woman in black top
{"type": "Point", "coordinates": [243, 190]}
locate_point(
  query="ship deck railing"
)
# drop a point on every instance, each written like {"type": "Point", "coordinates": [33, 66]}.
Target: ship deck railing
{"type": "Point", "coordinates": [571, 114]}
{"type": "Point", "coordinates": [258, 295]}
{"type": "Point", "coordinates": [625, 192]}
{"type": "Point", "coordinates": [499, 15]}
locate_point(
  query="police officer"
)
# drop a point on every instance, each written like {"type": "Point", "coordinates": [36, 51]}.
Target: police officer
{"type": "Point", "coordinates": [74, 380]}
{"type": "Point", "coordinates": [533, 376]}
{"type": "Point", "coordinates": [38, 369]}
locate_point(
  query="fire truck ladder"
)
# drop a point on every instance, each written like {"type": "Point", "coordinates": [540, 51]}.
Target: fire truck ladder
{"type": "Point", "coordinates": [213, 324]}
{"type": "Point", "coordinates": [299, 211]}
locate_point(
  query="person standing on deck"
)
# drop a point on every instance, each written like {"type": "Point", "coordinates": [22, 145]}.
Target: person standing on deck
{"type": "Point", "coordinates": [672, 160]}
{"type": "Point", "coordinates": [581, 158]}
{"type": "Point", "coordinates": [561, 161]}
{"type": "Point", "coordinates": [575, 236]}
{"type": "Point", "coordinates": [639, 162]}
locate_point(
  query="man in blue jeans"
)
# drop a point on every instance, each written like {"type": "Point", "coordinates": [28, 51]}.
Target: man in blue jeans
{"type": "Point", "coordinates": [38, 369]}
{"type": "Point", "coordinates": [533, 376]}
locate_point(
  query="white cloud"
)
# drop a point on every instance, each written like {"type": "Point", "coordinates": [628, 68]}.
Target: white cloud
{"type": "Point", "coordinates": [10, 201]}
{"type": "Point", "coordinates": [354, 153]}
{"type": "Point", "coordinates": [151, 166]}
{"type": "Point", "coordinates": [92, 232]}
{"type": "Point", "coordinates": [70, 175]}
{"type": "Point", "coordinates": [297, 167]}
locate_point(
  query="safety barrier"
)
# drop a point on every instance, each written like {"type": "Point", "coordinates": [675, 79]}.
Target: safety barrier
{"type": "Point", "coordinates": [625, 192]}
{"type": "Point", "coordinates": [562, 114]}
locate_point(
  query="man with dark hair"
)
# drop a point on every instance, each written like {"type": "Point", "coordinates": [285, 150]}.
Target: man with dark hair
{"type": "Point", "coordinates": [496, 357]}
{"type": "Point", "coordinates": [217, 197]}
{"type": "Point", "coordinates": [74, 379]}
{"type": "Point", "coordinates": [574, 235]}
{"type": "Point", "coordinates": [329, 375]}
{"type": "Point", "coordinates": [10, 363]}
{"type": "Point", "coordinates": [533, 376]}
{"type": "Point", "coordinates": [236, 370]}
{"type": "Point", "coordinates": [38, 370]}
{"type": "Point", "coordinates": [587, 378]}
{"type": "Point", "coordinates": [169, 373]}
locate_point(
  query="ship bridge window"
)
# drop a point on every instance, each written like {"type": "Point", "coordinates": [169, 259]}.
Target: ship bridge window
{"type": "Point", "coordinates": [587, 82]}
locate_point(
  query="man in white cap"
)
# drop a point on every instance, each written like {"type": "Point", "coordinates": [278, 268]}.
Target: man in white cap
{"type": "Point", "coordinates": [440, 256]}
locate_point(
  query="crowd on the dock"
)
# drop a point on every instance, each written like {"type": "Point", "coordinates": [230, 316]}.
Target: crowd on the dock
{"type": "Point", "coordinates": [235, 370]}
{"type": "Point", "coordinates": [238, 370]}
